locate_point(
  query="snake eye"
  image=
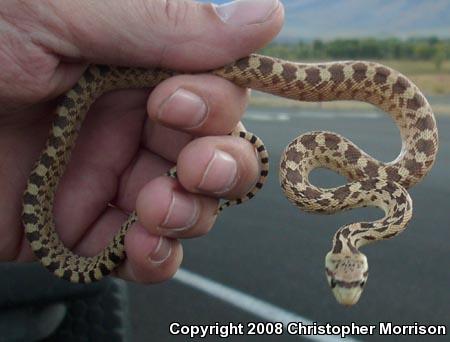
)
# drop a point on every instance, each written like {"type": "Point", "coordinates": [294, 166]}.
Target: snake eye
{"type": "Point", "coordinates": [362, 283]}
{"type": "Point", "coordinates": [333, 283]}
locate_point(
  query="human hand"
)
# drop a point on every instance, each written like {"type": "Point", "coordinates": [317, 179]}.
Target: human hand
{"type": "Point", "coordinates": [131, 137]}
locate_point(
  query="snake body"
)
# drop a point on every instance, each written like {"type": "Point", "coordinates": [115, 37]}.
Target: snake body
{"type": "Point", "coordinates": [371, 182]}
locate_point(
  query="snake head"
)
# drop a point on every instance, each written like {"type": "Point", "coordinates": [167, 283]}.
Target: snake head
{"type": "Point", "coordinates": [346, 274]}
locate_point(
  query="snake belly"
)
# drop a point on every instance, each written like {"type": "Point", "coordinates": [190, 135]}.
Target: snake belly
{"type": "Point", "coordinates": [362, 81]}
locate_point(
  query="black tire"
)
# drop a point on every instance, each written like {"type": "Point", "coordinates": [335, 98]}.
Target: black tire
{"type": "Point", "coordinates": [36, 306]}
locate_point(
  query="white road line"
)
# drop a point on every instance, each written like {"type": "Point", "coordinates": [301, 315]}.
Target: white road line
{"type": "Point", "coordinates": [245, 302]}
{"type": "Point", "coordinates": [282, 116]}
{"type": "Point", "coordinates": [267, 117]}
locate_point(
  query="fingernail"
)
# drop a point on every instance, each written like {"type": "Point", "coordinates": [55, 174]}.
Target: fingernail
{"type": "Point", "coordinates": [245, 12]}
{"type": "Point", "coordinates": [162, 251]}
{"type": "Point", "coordinates": [220, 174]}
{"type": "Point", "coordinates": [183, 109]}
{"type": "Point", "coordinates": [182, 214]}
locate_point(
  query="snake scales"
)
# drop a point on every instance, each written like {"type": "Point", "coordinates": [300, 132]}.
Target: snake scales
{"type": "Point", "coordinates": [371, 182]}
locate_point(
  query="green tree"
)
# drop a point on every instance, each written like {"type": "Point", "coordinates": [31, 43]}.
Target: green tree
{"type": "Point", "coordinates": [439, 57]}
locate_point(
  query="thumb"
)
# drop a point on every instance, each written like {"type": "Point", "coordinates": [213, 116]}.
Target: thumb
{"type": "Point", "coordinates": [178, 34]}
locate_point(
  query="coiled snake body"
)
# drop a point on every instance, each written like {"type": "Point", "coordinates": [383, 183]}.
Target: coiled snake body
{"type": "Point", "coordinates": [371, 182]}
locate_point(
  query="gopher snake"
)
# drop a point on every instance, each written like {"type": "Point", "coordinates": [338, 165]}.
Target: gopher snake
{"type": "Point", "coordinates": [371, 183]}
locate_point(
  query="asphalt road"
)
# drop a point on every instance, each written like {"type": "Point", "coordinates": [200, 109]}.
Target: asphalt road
{"type": "Point", "coordinates": [272, 251]}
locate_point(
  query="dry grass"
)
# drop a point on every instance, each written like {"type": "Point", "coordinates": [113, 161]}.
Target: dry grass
{"type": "Point", "coordinates": [425, 75]}
{"type": "Point", "coordinates": [433, 84]}
{"type": "Point", "coordinates": [417, 67]}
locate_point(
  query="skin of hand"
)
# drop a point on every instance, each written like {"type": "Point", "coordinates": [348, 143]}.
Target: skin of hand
{"type": "Point", "coordinates": [130, 138]}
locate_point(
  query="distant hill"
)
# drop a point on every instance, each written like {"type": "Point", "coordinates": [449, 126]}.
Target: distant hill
{"type": "Point", "coordinates": [327, 19]}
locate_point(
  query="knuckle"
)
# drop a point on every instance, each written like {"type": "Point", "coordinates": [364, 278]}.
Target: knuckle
{"type": "Point", "coordinates": [177, 12]}
{"type": "Point", "coordinates": [26, 66]}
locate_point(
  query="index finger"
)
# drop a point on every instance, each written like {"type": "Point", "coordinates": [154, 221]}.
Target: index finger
{"type": "Point", "coordinates": [198, 104]}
